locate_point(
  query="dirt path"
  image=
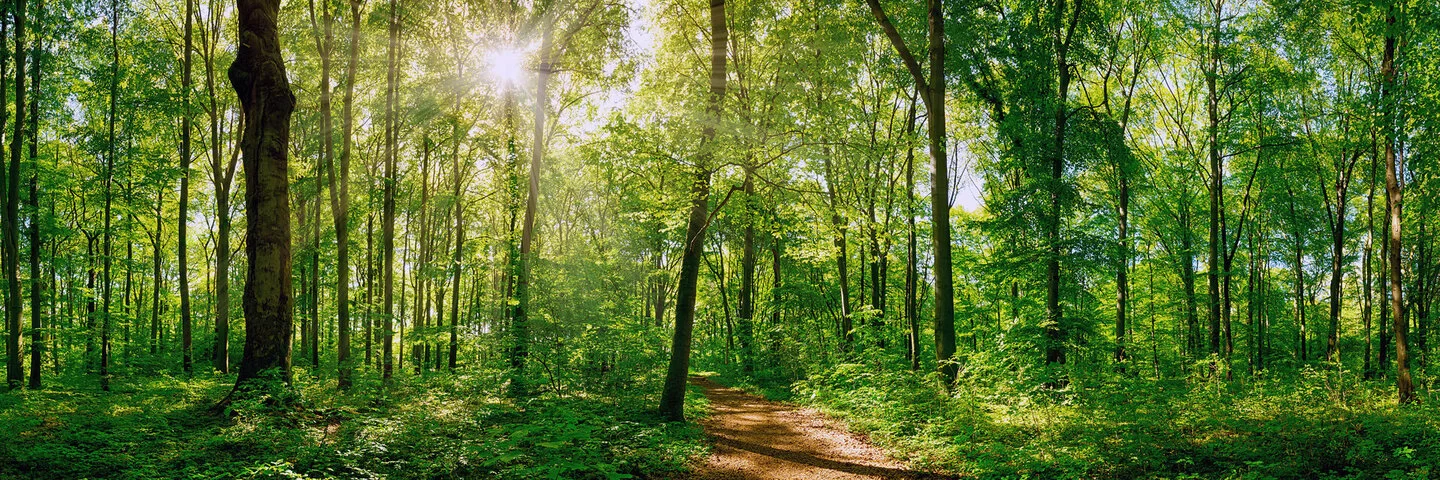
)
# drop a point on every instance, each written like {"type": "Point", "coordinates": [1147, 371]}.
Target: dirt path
{"type": "Point", "coordinates": [759, 439]}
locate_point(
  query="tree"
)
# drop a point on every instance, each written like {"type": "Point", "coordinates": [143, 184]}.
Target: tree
{"type": "Point", "coordinates": [181, 232]}
{"type": "Point", "coordinates": [258, 77]}
{"type": "Point", "coordinates": [107, 288]}
{"type": "Point", "coordinates": [672, 398]}
{"type": "Point", "coordinates": [931, 90]}
{"type": "Point", "coordinates": [1404, 387]}
{"type": "Point", "coordinates": [37, 284]}
{"type": "Point", "coordinates": [387, 247]}
{"type": "Point", "coordinates": [14, 372]}
{"type": "Point", "coordinates": [339, 190]}
{"type": "Point", "coordinates": [222, 182]}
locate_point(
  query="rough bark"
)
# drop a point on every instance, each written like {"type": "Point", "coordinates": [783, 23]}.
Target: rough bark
{"type": "Point", "coordinates": [258, 77]}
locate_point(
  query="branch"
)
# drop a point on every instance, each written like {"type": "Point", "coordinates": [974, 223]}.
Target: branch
{"type": "Point", "coordinates": [900, 48]}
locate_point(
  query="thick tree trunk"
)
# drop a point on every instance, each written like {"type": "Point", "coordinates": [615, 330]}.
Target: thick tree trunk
{"type": "Point", "coordinates": [672, 398]}
{"type": "Point", "coordinates": [258, 76]}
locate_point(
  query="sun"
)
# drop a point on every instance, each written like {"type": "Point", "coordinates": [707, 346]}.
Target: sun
{"type": "Point", "coordinates": [506, 66]}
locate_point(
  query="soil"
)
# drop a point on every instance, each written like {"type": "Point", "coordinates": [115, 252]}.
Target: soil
{"type": "Point", "coordinates": [759, 439]}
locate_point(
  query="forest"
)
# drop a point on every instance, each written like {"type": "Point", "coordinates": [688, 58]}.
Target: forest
{"type": "Point", "coordinates": [753, 239]}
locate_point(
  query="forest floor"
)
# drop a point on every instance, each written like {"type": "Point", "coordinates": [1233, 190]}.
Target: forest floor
{"type": "Point", "coordinates": [760, 439]}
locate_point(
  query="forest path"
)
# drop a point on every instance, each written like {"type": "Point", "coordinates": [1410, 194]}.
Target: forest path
{"type": "Point", "coordinates": [759, 439]}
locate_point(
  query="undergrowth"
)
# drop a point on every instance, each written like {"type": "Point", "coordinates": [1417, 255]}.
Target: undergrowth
{"type": "Point", "coordinates": [436, 426]}
{"type": "Point", "coordinates": [1322, 426]}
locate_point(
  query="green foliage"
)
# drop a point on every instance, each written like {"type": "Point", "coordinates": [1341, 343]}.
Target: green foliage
{"type": "Point", "coordinates": [429, 427]}
{"type": "Point", "coordinates": [1322, 425]}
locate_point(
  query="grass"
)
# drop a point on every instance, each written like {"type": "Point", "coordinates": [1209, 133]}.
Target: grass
{"type": "Point", "coordinates": [1322, 426]}
{"type": "Point", "coordinates": [438, 426]}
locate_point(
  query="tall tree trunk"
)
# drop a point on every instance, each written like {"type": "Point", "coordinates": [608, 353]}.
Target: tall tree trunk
{"type": "Point", "coordinates": [37, 285]}
{"type": "Point", "coordinates": [746, 307]}
{"type": "Point", "coordinates": [455, 259]}
{"type": "Point", "coordinates": [90, 321]}
{"type": "Point", "coordinates": [776, 300]}
{"type": "Point", "coordinates": [1405, 389]}
{"type": "Point", "coordinates": [1300, 334]}
{"type": "Point", "coordinates": [912, 274]}
{"type": "Point", "coordinates": [340, 200]}
{"type": "Point", "coordinates": [422, 260]}
{"type": "Point", "coordinates": [1343, 172]}
{"type": "Point", "coordinates": [1383, 356]}
{"type": "Point", "coordinates": [387, 235]}
{"type": "Point", "coordinates": [157, 243]}
{"type": "Point", "coordinates": [369, 286]}
{"type": "Point", "coordinates": [672, 398]}
{"type": "Point", "coordinates": [181, 232]}
{"type": "Point", "coordinates": [842, 254]}
{"type": "Point", "coordinates": [521, 320]}
{"type": "Point", "coordinates": [109, 181]}
{"type": "Point", "coordinates": [1367, 268]}
{"type": "Point", "coordinates": [1187, 275]}
{"type": "Point", "coordinates": [315, 269]}
{"type": "Point", "coordinates": [339, 194]}
{"type": "Point", "coordinates": [1055, 332]}
{"type": "Point", "coordinates": [1212, 105]}
{"type": "Point", "coordinates": [15, 374]}
{"type": "Point", "coordinates": [932, 91]}
{"type": "Point", "coordinates": [222, 178]}
{"type": "Point", "coordinates": [258, 76]}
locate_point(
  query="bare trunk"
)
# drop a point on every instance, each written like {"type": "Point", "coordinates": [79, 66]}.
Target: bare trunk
{"type": "Point", "coordinates": [387, 235]}
{"type": "Point", "coordinates": [746, 307]}
{"type": "Point", "coordinates": [672, 398]}
{"type": "Point", "coordinates": [1404, 388]}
